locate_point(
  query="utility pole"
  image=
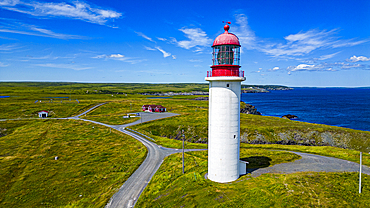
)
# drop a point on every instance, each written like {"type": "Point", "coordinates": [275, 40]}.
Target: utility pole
{"type": "Point", "coordinates": [359, 184]}
{"type": "Point", "coordinates": [183, 138]}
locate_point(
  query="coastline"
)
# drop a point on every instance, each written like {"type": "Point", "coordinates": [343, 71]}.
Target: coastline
{"type": "Point", "coordinates": [341, 107]}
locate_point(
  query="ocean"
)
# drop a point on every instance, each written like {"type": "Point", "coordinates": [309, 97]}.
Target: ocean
{"type": "Point", "coordinates": [343, 107]}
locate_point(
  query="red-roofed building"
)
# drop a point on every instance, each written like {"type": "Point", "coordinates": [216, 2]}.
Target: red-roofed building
{"type": "Point", "coordinates": [154, 108]}
{"type": "Point", "coordinates": [43, 114]}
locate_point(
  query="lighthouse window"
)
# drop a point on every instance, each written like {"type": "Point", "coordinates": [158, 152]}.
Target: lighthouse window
{"type": "Point", "coordinates": [227, 85]}
{"type": "Point", "coordinates": [226, 55]}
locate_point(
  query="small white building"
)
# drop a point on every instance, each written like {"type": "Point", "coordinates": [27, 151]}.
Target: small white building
{"type": "Point", "coordinates": [43, 114]}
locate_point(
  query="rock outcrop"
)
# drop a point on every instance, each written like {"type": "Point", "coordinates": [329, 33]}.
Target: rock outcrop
{"type": "Point", "coordinates": [248, 109]}
{"type": "Point", "coordinates": [289, 116]}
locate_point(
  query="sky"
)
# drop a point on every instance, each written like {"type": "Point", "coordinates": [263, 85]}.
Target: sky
{"type": "Point", "coordinates": [292, 43]}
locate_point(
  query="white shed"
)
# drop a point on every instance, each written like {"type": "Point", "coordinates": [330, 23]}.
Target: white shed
{"type": "Point", "coordinates": [43, 114]}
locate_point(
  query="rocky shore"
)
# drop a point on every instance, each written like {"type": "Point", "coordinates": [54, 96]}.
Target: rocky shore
{"type": "Point", "coordinates": [175, 93]}
{"type": "Point", "coordinates": [248, 109]}
{"type": "Point", "coordinates": [264, 89]}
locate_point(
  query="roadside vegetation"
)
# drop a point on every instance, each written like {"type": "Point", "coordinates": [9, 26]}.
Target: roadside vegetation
{"type": "Point", "coordinates": [64, 163]}
{"type": "Point", "coordinates": [170, 188]}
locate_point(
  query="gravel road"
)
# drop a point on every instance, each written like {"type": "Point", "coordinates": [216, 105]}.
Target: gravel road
{"type": "Point", "coordinates": [310, 162]}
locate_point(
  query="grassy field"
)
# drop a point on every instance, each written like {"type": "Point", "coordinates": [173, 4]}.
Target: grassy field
{"type": "Point", "coordinates": [254, 129]}
{"type": "Point", "coordinates": [93, 162]}
{"type": "Point", "coordinates": [170, 188]}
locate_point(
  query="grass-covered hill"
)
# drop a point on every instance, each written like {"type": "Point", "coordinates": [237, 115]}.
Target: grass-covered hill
{"type": "Point", "coordinates": [93, 161]}
{"type": "Point", "coordinates": [64, 163]}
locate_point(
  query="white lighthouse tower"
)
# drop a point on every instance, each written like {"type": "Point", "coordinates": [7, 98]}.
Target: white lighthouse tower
{"type": "Point", "coordinates": [224, 110]}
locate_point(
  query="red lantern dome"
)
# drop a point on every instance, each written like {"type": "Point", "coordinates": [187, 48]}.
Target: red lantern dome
{"type": "Point", "coordinates": [226, 55]}
{"type": "Point", "coordinates": [226, 38]}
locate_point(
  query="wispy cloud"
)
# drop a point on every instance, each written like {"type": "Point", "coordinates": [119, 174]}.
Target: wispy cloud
{"type": "Point", "coordinates": [196, 36]}
{"type": "Point", "coordinates": [324, 66]}
{"type": "Point", "coordinates": [315, 60]}
{"type": "Point", "coordinates": [144, 36]}
{"type": "Point", "coordinates": [165, 54]}
{"type": "Point", "coordinates": [43, 33]}
{"type": "Point", "coordinates": [162, 39]}
{"type": "Point", "coordinates": [328, 56]}
{"type": "Point", "coordinates": [149, 48]}
{"type": "Point", "coordinates": [245, 34]}
{"type": "Point", "coordinates": [74, 10]}
{"type": "Point", "coordinates": [195, 60]}
{"type": "Point", "coordinates": [64, 66]}
{"type": "Point", "coordinates": [304, 43]}
{"type": "Point", "coordinates": [9, 47]}
{"type": "Point", "coordinates": [358, 58]}
{"type": "Point", "coordinates": [157, 48]}
{"type": "Point", "coordinates": [3, 65]}
{"type": "Point", "coordinates": [16, 27]}
{"type": "Point", "coordinates": [294, 45]}
{"type": "Point", "coordinates": [119, 57]}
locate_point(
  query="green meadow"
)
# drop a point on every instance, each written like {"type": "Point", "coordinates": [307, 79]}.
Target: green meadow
{"type": "Point", "coordinates": [94, 161]}
{"type": "Point", "coordinates": [170, 188]}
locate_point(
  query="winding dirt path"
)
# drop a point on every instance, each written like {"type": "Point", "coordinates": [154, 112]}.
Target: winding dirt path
{"type": "Point", "coordinates": [130, 191]}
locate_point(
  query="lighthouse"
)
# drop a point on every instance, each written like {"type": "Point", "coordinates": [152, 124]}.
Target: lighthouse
{"type": "Point", "coordinates": [224, 110]}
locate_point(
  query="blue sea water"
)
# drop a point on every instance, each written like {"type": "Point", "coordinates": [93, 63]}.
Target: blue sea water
{"type": "Point", "coordinates": [343, 107]}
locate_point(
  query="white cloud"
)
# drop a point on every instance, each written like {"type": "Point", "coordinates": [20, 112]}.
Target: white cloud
{"type": "Point", "coordinates": [195, 60]}
{"type": "Point", "coordinates": [119, 57]}
{"type": "Point", "coordinates": [349, 66]}
{"type": "Point", "coordinates": [43, 33]}
{"type": "Point", "coordinates": [3, 65]}
{"type": "Point", "coordinates": [324, 57]}
{"type": "Point", "coordinates": [64, 66]}
{"type": "Point", "coordinates": [324, 66]}
{"type": "Point", "coordinates": [347, 43]}
{"type": "Point", "coordinates": [8, 47]}
{"type": "Point", "coordinates": [305, 67]}
{"type": "Point", "coordinates": [16, 27]}
{"type": "Point", "coordinates": [196, 36]}
{"type": "Point", "coordinates": [144, 36]}
{"type": "Point", "coordinates": [304, 43]}
{"type": "Point", "coordinates": [165, 54]}
{"type": "Point", "coordinates": [162, 39]}
{"type": "Point", "coordinates": [41, 57]}
{"type": "Point", "coordinates": [246, 36]}
{"type": "Point", "coordinates": [116, 56]}
{"type": "Point", "coordinates": [358, 58]}
{"type": "Point", "coordinates": [75, 10]}
{"type": "Point", "coordinates": [275, 68]}
{"type": "Point", "coordinates": [149, 48]}
{"type": "Point", "coordinates": [100, 56]}
{"type": "Point", "coordinates": [9, 2]}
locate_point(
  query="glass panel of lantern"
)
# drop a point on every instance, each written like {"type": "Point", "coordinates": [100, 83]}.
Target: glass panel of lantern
{"type": "Point", "coordinates": [226, 55]}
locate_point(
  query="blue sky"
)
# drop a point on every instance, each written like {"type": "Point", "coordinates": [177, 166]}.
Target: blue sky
{"type": "Point", "coordinates": [293, 43]}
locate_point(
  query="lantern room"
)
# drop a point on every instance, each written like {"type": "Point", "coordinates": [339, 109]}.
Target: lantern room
{"type": "Point", "coordinates": [226, 55]}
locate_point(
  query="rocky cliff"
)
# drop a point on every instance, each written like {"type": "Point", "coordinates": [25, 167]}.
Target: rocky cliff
{"type": "Point", "coordinates": [248, 109]}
